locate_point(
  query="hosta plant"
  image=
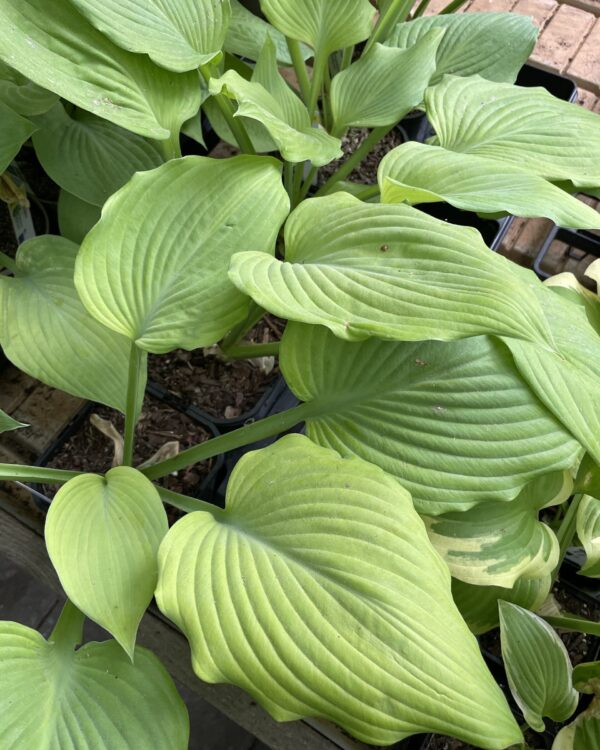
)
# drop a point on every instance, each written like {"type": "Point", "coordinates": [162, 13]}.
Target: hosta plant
{"type": "Point", "coordinates": [450, 400]}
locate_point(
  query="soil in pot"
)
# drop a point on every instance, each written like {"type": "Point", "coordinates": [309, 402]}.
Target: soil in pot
{"type": "Point", "coordinates": [225, 389]}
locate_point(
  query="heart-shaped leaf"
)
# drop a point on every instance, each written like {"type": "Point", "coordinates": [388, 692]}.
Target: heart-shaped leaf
{"type": "Point", "coordinates": [22, 95]}
{"type": "Point", "coordinates": [88, 156]}
{"type": "Point", "coordinates": [75, 217]}
{"type": "Point", "coordinates": [454, 423]}
{"type": "Point", "coordinates": [537, 665]}
{"type": "Point", "coordinates": [479, 604]}
{"type": "Point", "coordinates": [492, 45]}
{"type": "Point", "coordinates": [90, 699]}
{"type": "Point", "coordinates": [46, 331]}
{"type": "Point", "coordinates": [179, 35]}
{"type": "Point", "coordinates": [389, 271]}
{"type": "Point", "coordinates": [325, 556]}
{"type": "Point", "coordinates": [280, 111]}
{"type": "Point", "coordinates": [526, 127]}
{"type": "Point", "coordinates": [416, 173]}
{"type": "Point", "coordinates": [588, 531]}
{"type": "Point", "coordinates": [384, 85]}
{"type": "Point", "coordinates": [496, 544]}
{"type": "Point", "coordinates": [102, 535]}
{"type": "Point", "coordinates": [60, 50]}
{"type": "Point", "coordinates": [13, 134]}
{"type": "Point", "coordinates": [161, 280]}
{"type": "Point", "coordinates": [326, 25]}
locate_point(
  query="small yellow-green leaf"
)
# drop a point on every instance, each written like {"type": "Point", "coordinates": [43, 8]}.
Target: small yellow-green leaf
{"type": "Point", "coordinates": [537, 665]}
{"type": "Point", "coordinates": [588, 531]}
{"type": "Point", "coordinates": [102, 535]}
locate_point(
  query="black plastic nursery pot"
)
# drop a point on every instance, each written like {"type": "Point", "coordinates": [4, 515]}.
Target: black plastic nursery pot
{"type": "Point", "coordinates": [492, 230]}
{"type": "Point", "coordinates": [580, 243]}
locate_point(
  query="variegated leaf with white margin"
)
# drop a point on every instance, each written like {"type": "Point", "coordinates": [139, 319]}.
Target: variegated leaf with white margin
{"type": "Point", "coordinates": [417, 173]}
{"type": "Point", "coordinates": [268, 100]}
{"type": "Point", "coordinates": [492, 45]}
{"type": "Point", "coordinates": [479, 604]}
{"type": "Point", "coordinates": [46, 331]}
{"type": "Point", "coordinates": [90, 699]}
{"type": "Point", "coordinates": [179, 35]}
{"type": "Point", "coordinates": [14, 132]}
{"type": "Point", "coordinates": [161, 280]}
{"type": "Point", "coordinates": [102, 535]}
{"type": "Point", "coordinates": [526, 127]}
{"type": "Point", "coordinates": [453, 422]}
{"type": "Point", "coordinates": [496, 544]}
{"type": "Point", "coordinates": [325, 25]}
{"type": "Point", "coordinates": [537, 666]}
{"type": "Point", "coordinates": [22, 95]}
{"type": "Point", "coordinates": [325, 557]}
{"type": "Point", "coordinates": [583, 733]}
{"type": "Point", "coordinates": [247, 34]}
{"type": "Point", "coordinates": [384, 85]}
{"type": "Point", "coordinates": [57, 48]}
{"type": "Point", "coordinates": [390, 271]}
{"type": "Point", "coordinates": [588, 531]}
{"type": "Point", "coordinates": [88, 156]}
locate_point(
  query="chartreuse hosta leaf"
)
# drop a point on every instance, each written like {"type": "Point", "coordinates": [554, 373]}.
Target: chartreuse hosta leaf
{"type": "Point", "coordinates": [588, 531]}
{"type": "Point", "coordinates": [94, 698]}
{"type": "Point", "coordinates": [46, 331]}
{"type": "Point", "coordinates": [326, 25]}
{"type": "Point", "coordinates": [537, 665]}
{"type": "Point", "coordinates": [325, 556]}
{"type": "Point", "coordinates": [453, 422]}
{"type": "Point", "coordinates": [479, 604]}
{"type": "Point", "coordinates": [179, 35]}
{"type": "Point", "coordinates": [495, 544]}
{"type": "Point", "coordinates": [523, 126]}
{"type": "Point", "coordinates": [161, 279]}
{"type": "Point", "coordinates": [88, 156]}
{"type": "Point", "coordinates": [492, 45]}
{"type": "Point", "coordinates": [277, 108]}
{"type": "Point", "coordinates": [75, 217]}
{"type": "Point", "coordinates": [22, 95]}
{"type": "Point", "coordinates": [13, 134]}
{"type": "Point", "coordinates": [384, 85]}
{"type": "Point", "coordinates": [7, 423]}
{"type": "Point", "coordinates": [417, 173]}
{"type": "Point", "coordinates": [102, 535]}
{"type": "Point", "coordinates": [63, 52]}
{"type": "Point", "coordinates": [389, 271]}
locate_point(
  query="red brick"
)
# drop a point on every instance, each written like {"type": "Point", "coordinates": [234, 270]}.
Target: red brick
{"type": "Point", "coordinates": [531, 239]}
{"type": "Point", "coordinates": [593, 6]}
{"type": "Point", "coordinates": [491, 6]}
{"type": "Point", "coordinates": [587, 99]}
{"type": "Point", "coordinates": [585, 68]}
{"type": "Point", "coordinates": [539, 10]}
{"type": "Point", "coordinates": [562, 37]}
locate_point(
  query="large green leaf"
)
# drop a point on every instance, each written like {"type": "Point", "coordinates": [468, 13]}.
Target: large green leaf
{"type": "Point", "coordinates": [326, 25]}
{"type": "Point", "coordinates": [537, 665]}
{"type": "Point", "coordinates": [161, 279]}
{"type": "Point", "coordinates": [46, 331]}
{"type": "Point", "coordinates": [22, 95]}
{"type": "Point", "coordinates": [390, 271]}
{"type": "Point", "coordinates": [526, 127]}
{"type": "Point", "coordinates": [179, 35]}
{"type": "Point", "coordinates": [588, 531]}
{"type": "Point", "coordinates": [247, 34]}
{"type": "Point", "coordinates": [58, 49]}
{"type": "Point", "coordinates": [492, 45]}
{"type": "Point", "coordinates": [280, 111]}
{"type": "Point", "coordinates": [14, 132]}
{"type": "Point", "coordinates": [90, 699]}
{"type": "Point", "coordinates": [416, 173]}
{"type": "Point", "coordinates": [384, 85]}
{"type": "Point", "coordinates": [495, 545]}
{"type": "Point", "coordinates": [479, 604]}
{"type": "Point", "coordinates": [326, 558]}
{"type": "Point", "coordinates": [88, 156]}
{"type": "Point", "coordinates": [102, 535]}
{"type": "Point", "coordinates": [75, 217]}
{"type": "Point", "coordinates": [454, 423]}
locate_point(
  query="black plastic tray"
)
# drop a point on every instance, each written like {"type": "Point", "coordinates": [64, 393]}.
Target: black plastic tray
{"type": "Point", "coordinates": [492, 230]}
{"type": "Point", "coordinates": [579, 239]}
